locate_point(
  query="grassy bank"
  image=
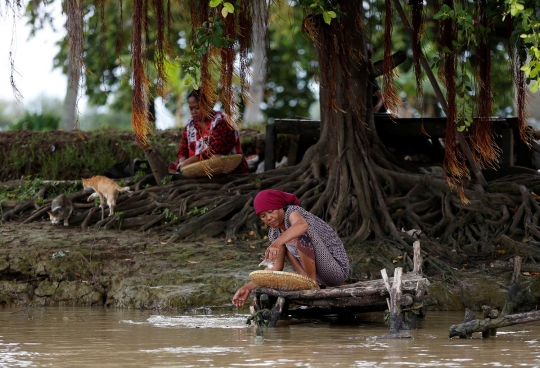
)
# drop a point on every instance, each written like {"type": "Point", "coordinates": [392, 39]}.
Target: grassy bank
{"type": "Point", "coordinates": [62, 155]}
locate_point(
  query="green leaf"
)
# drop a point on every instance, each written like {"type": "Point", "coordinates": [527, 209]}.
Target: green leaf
{"type": "Point", "coordinates": [188, 80]}
{"type": "Point", "coordinates": [327, 18]}
{"type": "Point", "coordinates": [214, 3]}
{"type": "Point", "coordinates": [460, 128]}
{"type": "Point", "coordinates": [224, 12]}
{"type": "Point", "coordinates": [229, 7]}
{"type": "Point", "coordinates": [332, 14]}
{"type": "Point", "coordinates": [534, 71]}
{"type": "Point", "coordinates": [513, 11]}
{"type": "Point", "coordinates": [534, 87]}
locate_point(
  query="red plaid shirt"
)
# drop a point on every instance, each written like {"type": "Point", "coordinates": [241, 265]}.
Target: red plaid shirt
{"type": "Point", "coordinates": [216, 138]}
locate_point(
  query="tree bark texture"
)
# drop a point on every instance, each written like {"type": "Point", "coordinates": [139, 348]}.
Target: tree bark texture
{"type": "Point", "coordinates": [352, 200]}
{"type": "Point", "coordinates": [259, 43]}
{"type": "Point", "coordinates": [394, 301]}
{"type": "Point", "coordinates": [514, 288]}
{"type": "Point", "coordinates": [74, 26]}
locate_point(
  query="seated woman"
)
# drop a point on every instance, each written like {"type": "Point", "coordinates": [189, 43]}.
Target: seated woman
{"type": "Point", "coordinates": [204, 138]}
{"type": "Point", "coordinates": [308, 243]}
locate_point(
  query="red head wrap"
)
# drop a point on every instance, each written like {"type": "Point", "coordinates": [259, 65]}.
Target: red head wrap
{"type": "Point", "coordinates": [270, 199]}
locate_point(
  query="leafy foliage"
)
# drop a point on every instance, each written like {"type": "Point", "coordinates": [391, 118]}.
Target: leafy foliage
{"type": "Point", "coordinates": [292, 65]}
{"type": "Point", "coordinates": [34, 121]}
{"type": "Point", "coordinates": [30, 187]}
{"type": "Point", "coordinates": [526, 20]}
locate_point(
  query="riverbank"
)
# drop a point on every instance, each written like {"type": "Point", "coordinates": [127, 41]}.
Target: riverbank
{"type": "Point", "coordinates": [45, 265]}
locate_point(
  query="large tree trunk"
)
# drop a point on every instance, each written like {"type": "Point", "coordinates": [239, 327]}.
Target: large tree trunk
{"type": "Point", "coordinates": [353, 201]}
{"type": "Point", "coordinates": [252, 113]}
{"type": "Point", "coordinates": [69, 113]}
{"type": "Point", "coordinates": [74, 26]}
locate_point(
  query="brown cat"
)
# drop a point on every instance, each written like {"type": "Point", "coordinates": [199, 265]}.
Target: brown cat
{"type": "Point", "coordinates": [104, 187]}
{"type": "Point", "coordinates": [61, 209]}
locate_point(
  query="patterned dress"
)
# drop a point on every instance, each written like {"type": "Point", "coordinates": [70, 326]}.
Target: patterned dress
{"type": "Point", "coordinates": [217, 136]}
{"type": "Point", "coordinates": [321, 243]}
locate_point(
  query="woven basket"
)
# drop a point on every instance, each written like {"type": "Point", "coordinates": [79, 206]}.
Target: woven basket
{"type": "Point", "coordinates": [212, 166]}
{"type": "Point", "coordinates": [281, 280]}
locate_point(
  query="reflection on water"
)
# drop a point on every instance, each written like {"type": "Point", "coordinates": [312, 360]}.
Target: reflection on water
{"type": "Point", "coordinates": [76, 337]}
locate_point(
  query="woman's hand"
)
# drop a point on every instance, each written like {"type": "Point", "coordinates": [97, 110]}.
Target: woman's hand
{"type": "Point", "coordinates": [242, 294]}
{"type": "Point", "coordinates": [273, 251]}
{"type": "Point", "coordinates": [188, 161]}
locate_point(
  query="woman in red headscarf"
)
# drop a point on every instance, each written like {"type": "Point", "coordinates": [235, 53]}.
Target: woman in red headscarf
{"type": "Point", "coordinates": [308, 243]}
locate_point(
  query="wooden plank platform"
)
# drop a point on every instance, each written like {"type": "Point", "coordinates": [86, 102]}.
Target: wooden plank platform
{"type": "Point", "coordinates": [391, 294]}
{"type": "Point", "coordinates": [369, 293]}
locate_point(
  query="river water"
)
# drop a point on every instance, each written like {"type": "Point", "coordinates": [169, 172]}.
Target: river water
{"type": "Point", "coordinates": [80, 337]}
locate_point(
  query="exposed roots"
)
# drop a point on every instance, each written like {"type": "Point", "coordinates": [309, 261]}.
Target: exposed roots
{"type": "Point", "coordinates": [500, 220]}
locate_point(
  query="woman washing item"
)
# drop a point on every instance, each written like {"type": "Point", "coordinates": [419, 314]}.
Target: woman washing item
{"type": "Point", "coordinates": [308, 243]}
{"type": "Point", "coordinates": [207, 137]}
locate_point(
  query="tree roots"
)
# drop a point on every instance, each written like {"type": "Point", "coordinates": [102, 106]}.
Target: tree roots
{"type": "Point", "coordinates": [501, 218]}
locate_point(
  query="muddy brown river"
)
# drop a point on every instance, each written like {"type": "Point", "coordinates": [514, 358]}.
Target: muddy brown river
{"type": "Point", "coordinates": [84, 337]}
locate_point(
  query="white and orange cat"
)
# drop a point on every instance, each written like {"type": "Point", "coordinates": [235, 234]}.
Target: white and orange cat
{"type": "Point", "coordinates": [104, 187]}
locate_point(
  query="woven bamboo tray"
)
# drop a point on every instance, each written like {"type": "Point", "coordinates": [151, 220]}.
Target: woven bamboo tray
{"type": "Point", "coordinates": [281, 280]}
{"type": "Point", "coordinates": [212, 166]}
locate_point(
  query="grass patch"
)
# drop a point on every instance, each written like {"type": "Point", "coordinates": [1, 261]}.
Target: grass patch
{"type": "Point", "coordinates": [29, 188]}
{"type": "Point", "coordinates": [59, 155]}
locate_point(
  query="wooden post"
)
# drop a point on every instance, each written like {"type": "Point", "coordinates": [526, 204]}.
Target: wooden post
{"type": "Point", "coordinates": [270, 149]}
{"type": "Point", "coordinates": [489, 313]}
{"type": "Point", "coordinates": [417, 258]}
{"type": "Point", "coordinates": [276, 311]}
{"type": "Point", "coordinates": [394, 304]}
{"type": "Point", "coordinates": [507, 158]}
{"type": "Point", "coordinates": [469, 315]}
{"type": "Point", "coordinates": [418, 305]}
{"type": "Point", "coordinates": [293, 149]}
{"type": "Point", "coordinates": [514, 288]}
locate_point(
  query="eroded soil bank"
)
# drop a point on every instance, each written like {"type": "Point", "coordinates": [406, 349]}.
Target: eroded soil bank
{"type": "Point", "coordinates": [45, 265]}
